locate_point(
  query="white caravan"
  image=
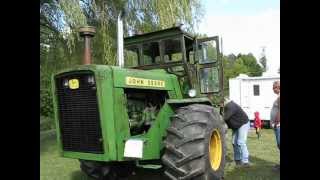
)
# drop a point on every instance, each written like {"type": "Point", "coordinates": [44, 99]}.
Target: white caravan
{"type": "Point", "coordinates": [254, 94]}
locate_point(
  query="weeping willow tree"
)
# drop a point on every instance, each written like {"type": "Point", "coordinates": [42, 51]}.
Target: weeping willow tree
{"type": "Point", "coordinates": [141, 16]}
{"type": "Point", "coordinates": [150, 15]}
{"type": "Point", "coordinates": [61, 46]}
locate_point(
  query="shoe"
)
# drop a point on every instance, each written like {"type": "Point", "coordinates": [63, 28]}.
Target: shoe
{"type": "Point", "coordinates": [246, 165]}
{"type": "Point", "coordinates": [238, 162]}
{"type": "Point", "coordinates": [276, 167]}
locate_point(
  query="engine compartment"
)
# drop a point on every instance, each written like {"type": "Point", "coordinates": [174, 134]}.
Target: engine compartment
{"type": "Point", "coordinates": [143, 106]}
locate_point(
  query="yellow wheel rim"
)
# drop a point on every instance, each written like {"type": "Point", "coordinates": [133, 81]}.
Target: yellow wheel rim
{"type": "Point", "coordinates": [215, 150]}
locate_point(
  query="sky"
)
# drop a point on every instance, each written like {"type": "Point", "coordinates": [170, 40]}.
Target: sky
{"type": "Point", "coordinates": [245, 26]}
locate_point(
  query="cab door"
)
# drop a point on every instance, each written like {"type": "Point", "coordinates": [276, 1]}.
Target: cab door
{"type": "Point", "coordinates": [209, 68]}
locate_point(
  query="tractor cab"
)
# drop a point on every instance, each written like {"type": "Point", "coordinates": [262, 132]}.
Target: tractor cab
{"type": "Point", "coordinates": [196, 62]}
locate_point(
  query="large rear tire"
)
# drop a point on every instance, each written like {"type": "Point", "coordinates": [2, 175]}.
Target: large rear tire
{"type": "Point", "coordinates": [195, 144]}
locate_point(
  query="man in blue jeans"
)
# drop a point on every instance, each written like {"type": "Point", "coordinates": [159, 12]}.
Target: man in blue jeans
{"type": "Point", "coordinates": [238, 121]}
{"type": "Point", "coordinates": [275, 116]}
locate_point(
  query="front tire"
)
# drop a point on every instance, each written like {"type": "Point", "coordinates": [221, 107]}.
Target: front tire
{"type": "Point", "coordinates": [102, 171]}
{"type": "Point", "coordinates": [195, 144]}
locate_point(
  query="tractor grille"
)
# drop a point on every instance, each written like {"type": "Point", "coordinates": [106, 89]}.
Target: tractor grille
{"type": "Point", "coordinates": [78, 111]}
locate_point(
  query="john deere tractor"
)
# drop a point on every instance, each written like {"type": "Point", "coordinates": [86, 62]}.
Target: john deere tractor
{"type": "Point", "coordinates": [161, 107]}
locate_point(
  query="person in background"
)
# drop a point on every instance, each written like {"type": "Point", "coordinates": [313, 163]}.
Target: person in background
{"type": "Point", "coordinates": [275, 116]}
{"type": "Point", "coordinates": [238, 121]}
{"type": "Point", "coordinates": [257, 124]}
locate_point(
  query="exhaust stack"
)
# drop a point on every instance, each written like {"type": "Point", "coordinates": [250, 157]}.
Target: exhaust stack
{"type": "Point", "coordinates": [120, 62]}
{"type": "Point", "coordinates": [87, 32]}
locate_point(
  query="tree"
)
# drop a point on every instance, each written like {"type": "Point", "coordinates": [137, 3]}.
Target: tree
{"type": "Point", "coordinates": [141, 16]}
{"type": "Point", "coordinates": [232, 57]}
{"type": "Point", "coordinates": [243, 64]}
{"type": "Point", "coordinates": [263, 61]}
{"type": "Point", "coordinates": [61, 46]}
{"type": "Point", "coordinates": [252, 66]}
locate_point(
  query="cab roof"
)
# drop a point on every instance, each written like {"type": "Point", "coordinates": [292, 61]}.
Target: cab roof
{"type": "Point", "coordinates": [156, 35]}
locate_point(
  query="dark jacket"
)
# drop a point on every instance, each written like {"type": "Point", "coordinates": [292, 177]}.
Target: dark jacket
{"type": "Point", "coordinates": [234, 116]}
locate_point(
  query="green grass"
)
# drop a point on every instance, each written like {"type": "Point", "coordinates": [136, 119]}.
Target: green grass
{"type": "Point", "coordinates": [263, 156]}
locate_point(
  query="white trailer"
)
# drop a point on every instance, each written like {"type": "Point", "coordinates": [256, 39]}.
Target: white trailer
{"type": "Point", "coordinates": [254, 94]}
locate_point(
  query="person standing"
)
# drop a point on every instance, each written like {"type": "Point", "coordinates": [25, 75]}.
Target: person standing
{"type": "Point", "coordinates": [275, 116]}
{"type": "Point", "coordinates": [257, 124]}
{"type": "Point", "coordinates": [238, 121]}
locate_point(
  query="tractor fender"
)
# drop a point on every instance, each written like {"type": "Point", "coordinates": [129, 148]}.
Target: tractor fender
{"type": "Point", "coordinates": [176, 103]}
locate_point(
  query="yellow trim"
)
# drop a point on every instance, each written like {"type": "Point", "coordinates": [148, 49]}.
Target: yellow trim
{"type": "Point", "coordinates": [133, 81]}
{"type": "Point", "coordinates": [215, 150]}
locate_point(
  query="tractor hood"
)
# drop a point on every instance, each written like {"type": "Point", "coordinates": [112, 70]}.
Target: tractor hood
{"type": "Point", "coordinates": [130, 78]}
{"type": "Point", "coordinates": [142, 79]}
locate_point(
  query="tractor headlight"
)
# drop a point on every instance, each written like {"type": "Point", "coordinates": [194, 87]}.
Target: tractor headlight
{"type": "Point", "coordinates": [65, 83]}
{"type": "Point", "coordinates": [192, 92]}
{"type": "Point", "coordinates": [90, 80]}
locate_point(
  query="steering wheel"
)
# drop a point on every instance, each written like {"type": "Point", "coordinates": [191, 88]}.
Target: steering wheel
{"type": "Point", "coordinates": [177, 73]}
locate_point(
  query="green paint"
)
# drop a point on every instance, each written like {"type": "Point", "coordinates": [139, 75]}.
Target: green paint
{"type": "Point", "coordinates": [121, 121]}
{"type": "Point", "coordinates": [55, 108]}
{"type": "Point", "coordinates": [153, 138]}
{"type": "Point", "coordinates": [111, 85]}
{"type": "Point", "coordinates": [105, 93]}
{"type": "Point", "coordinates": [90, 156]}
{"type": "Point", "coordinates": [113, 113]}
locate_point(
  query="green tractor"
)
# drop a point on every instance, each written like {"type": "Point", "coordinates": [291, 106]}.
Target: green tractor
{"type": "Point", "coordinates": [161, 107]}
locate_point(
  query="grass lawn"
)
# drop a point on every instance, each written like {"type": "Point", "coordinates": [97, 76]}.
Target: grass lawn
{"type": "Point", "coordinates": [263, 156]}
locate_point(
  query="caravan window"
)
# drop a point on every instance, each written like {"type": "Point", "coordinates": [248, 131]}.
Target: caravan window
{"type": "Point", "coordinates": [256, 90]}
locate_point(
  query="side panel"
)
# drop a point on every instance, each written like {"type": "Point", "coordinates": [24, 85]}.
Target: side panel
{"type": "Point", "coordinates": [153, 139]}
{"type": "Point", "coordinates": [121, 121]}
{"type": "Point", "coordinates": [106, 101]}
{"type": "Point", "coordinates": [154, 143]}
{"type": "Point", "coordinates": [176, 93]}
{"type": "Point", "coordinates": [88, 156]}
{"type": "Point", "coordinates": [55, 108]}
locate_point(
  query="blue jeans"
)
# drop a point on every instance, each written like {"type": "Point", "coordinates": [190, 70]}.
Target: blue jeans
{"type": "Point", "coordinates": [239, 140]}
{"type": "Point", "coordinates": [277, 133]}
